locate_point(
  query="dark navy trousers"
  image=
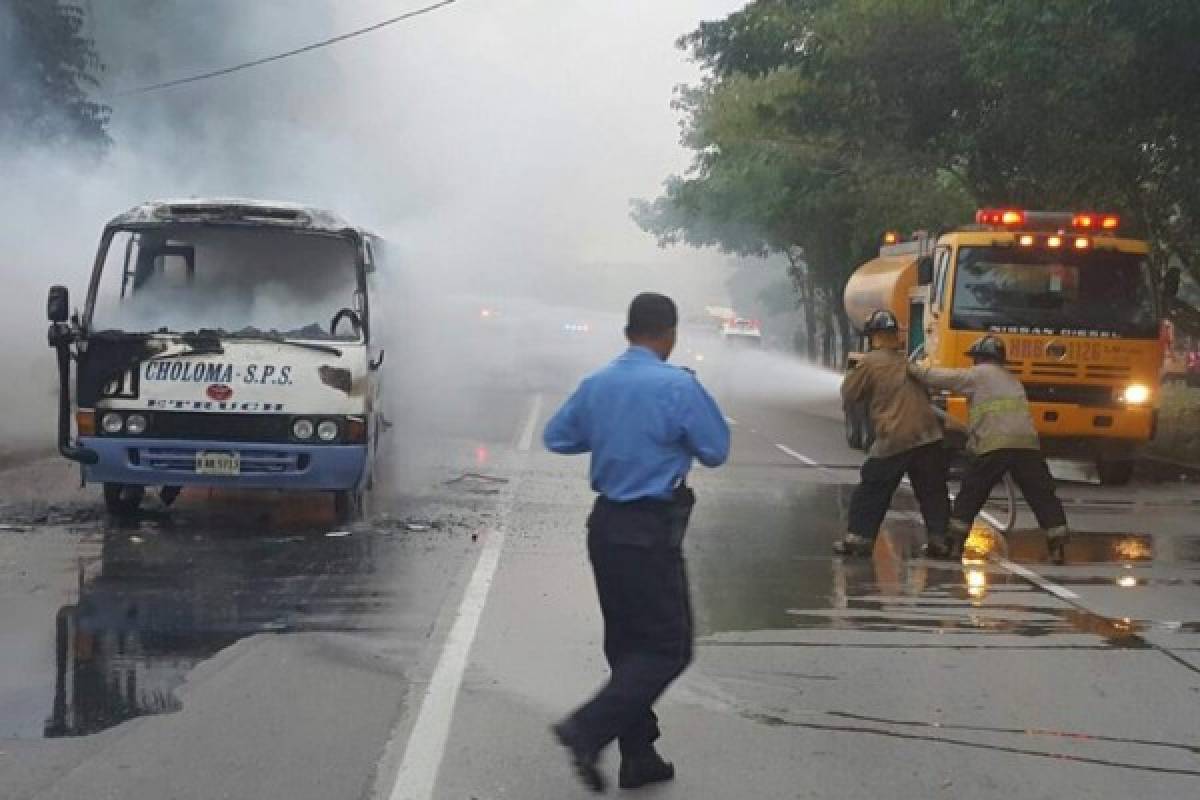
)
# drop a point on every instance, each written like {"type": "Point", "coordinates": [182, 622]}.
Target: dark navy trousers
{"type": "Point", "coordinates": [637, 559]}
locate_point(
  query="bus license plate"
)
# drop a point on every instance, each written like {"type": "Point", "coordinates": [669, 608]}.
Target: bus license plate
{"type": "Point", "coordinates": [218, 463]}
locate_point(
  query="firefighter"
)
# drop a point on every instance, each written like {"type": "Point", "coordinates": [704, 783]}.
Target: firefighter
{"type": "Point", "coordinates": [908, 440]}
{"type": "Point", "coordinates": [1001, 438]}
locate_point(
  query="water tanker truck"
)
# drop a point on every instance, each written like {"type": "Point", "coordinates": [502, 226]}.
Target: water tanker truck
{"type": "Point", "coordinates": [1076, 303]}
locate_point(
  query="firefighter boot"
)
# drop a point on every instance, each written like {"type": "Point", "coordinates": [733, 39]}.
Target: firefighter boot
{"type": "Point", "coordinates": [853, 545]}
{"type": "Point", "coordinates": [956, 538]}
{"type": "Point", "coordinates": [939, 547]}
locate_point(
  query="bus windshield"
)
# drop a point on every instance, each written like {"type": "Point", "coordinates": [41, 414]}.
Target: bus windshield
{"type": "Point", "coordinates": [236, 280]}
{"type": "Point", "coordinates": [1058, 293]}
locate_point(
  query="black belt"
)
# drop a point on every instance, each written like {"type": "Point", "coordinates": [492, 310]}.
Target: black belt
{"type": "Point", "coordinates": [677, 511]}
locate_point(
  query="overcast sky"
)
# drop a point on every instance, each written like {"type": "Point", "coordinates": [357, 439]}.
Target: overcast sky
{"type": "Point", "coordinates": [511, 132]}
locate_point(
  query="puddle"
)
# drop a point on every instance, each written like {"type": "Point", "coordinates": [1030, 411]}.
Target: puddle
{"type": "Point", "coordinates": [1092, 547]}
{"type": "Point", "coordinates": [760, 565]}
{"type": "Point", "coordinates": [151, 607]}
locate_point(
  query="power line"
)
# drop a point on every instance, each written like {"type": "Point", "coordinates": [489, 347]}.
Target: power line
{"type": "Point", "coordinates": [154, 87]}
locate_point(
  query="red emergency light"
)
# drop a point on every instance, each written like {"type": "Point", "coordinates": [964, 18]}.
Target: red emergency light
{"type": "Point", "coordinates": [1009, 217]}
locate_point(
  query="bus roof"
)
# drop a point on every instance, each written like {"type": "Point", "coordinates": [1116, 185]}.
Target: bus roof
{"type": "Point", "coordinates": [234, 210]}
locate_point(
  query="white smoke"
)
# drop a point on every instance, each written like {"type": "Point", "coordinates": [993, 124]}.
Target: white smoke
{"type": "Point", "coordinates": [496, 146]}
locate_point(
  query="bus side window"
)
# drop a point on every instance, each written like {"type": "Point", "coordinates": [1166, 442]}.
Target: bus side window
{"type": "Point", "coordinates": [941, 268]}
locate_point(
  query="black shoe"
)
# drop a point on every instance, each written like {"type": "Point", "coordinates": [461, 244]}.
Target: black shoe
{"type": "Point", "coordinates": [583, 761]}
{"type": "Point", "coordinates": [643, 770]}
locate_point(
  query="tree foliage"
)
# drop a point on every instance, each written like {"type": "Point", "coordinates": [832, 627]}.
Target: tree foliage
{"type": "Point", "coordinates": [820, 124]}
{"type": "Point", "coordinates": [49, 66]}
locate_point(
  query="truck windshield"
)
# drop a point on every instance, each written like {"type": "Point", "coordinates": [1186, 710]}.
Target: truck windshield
{"type": "Point", "coordinates": [237, 280]}
{"type": "Point", "coordinates": [1092, 293]}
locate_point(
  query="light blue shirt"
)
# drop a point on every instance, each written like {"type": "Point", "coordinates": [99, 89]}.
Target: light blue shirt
{"type": "Point", "coordinates": [643, 421]}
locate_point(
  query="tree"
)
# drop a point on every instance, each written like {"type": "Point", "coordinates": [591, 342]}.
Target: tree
{"type": "Point", "coordinates": [819, 124]}
{"type": "Point", "coordinates": [49, 67]}
{"type": "Point", "coordinates": [796, 147]}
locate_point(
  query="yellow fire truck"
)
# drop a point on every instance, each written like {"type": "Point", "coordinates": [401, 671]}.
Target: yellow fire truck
{"type": "Point", "coordinates": [1075, 302]}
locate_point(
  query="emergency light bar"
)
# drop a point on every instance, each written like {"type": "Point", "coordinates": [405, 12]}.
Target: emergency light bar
{"type": "Point", "coordinates": [1055, 241]}
{"type": "Point", "coordinates": [1059, 221]}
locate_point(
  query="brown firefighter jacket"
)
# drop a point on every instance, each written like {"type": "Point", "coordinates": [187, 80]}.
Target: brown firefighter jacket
{"type": "Point", "coordinates": [899, 407]}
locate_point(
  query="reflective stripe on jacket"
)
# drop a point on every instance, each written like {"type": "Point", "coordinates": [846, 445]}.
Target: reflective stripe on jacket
{"type": "Point", "coordinates": [999, 417]}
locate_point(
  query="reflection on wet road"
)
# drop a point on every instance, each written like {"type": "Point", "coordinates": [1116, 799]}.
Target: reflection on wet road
{"type": "Point", "coordinates": [761, 566]}
{"type": "Point", "coordinates": [153, 605]}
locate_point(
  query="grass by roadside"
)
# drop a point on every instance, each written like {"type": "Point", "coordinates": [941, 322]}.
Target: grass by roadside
{"type": "Point", "coordinates": [1178, 437]}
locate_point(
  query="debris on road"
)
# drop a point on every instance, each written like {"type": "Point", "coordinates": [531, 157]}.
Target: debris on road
{"type": "Point", "coordinates": [478, 483]}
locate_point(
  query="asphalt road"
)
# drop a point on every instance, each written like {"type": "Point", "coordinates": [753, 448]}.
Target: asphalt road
{"type": "Point", "coordinates": [245, 646]}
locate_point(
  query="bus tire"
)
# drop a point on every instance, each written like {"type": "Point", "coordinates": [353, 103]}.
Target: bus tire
{"type": "Point", "coordinates": [1115, 473]}
{"type": "Point", "coordinates": [854, 428]}
{"type": "Point", "coordinates": [123, 499]}
{"type": "Point", "coordinates": [348, 505]}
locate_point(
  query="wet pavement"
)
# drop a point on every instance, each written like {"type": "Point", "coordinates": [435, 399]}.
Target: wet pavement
{"type": "Point", "coordinates": [231, 648]}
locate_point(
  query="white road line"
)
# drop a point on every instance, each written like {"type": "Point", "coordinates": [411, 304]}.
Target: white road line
{"type": "Point", "coordinates": [426, 748]}
{"type": "Point", "coordinates": [803, 459]}
{"type": "Point", "coordinates": [1037, 580]}
{"type": "Point", "coordinates": [535, 413]}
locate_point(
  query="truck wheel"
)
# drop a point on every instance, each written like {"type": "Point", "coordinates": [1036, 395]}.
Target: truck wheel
{"type": "Point", "coordinates": [123, 499]}
{"type": "Point", "coordinates": [1115, 473]}
{"type": "Point", "coordinates": [854, 431]}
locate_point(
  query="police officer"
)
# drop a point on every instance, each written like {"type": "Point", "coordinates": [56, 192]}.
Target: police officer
{"type": "Point", "coordinates": [908, 440]}
{"type": "Point", "coordinates": [1001, 438]}
{"type": "Point", "coordinates": [644, 422]}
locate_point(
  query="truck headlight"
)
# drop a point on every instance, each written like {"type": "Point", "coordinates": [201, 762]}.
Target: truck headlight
{"type": "Point", "coordinates": [327, 431]}
{"type": "Point", "coordinates": [1136, 394]}
{"type": "Point", "coordinates": [112, 423]}
{"type": "Point", "coordinates": [136, 424]}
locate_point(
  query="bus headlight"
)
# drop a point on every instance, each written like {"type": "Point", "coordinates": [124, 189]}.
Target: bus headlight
{"type": "Point", "coordinates": [1136, 394]}
{"type": "Point", "coordinates": [136, 424]}
{"type": "Point", "coordinates": [327, 431]}
{"type": "Point", "coordinates": [112, 423]}
{"type": "Point", "coordinates": [302, 429]}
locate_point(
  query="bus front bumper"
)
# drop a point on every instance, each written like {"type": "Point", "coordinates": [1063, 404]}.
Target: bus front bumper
{"type": "Point", "coordinates": [171, 462]}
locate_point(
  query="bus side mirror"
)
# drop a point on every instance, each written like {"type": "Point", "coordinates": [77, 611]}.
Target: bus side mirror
{"type": "Point", "coordinates": [925, 270]}
{"type": "Point", "coordinates": [1171, 284]}
{"type": "Point", "coordinates": [58, 304]}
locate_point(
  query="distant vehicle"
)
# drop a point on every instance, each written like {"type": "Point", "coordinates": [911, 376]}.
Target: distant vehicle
{"type": "Point", "coordinates": [1192, 370]}
{"type": "Point", "coordinates": [223, 343]}
{"type": "Point", "coordinates": [742, 332]}
{"type": "Point", "coordinates": [1181, 358]}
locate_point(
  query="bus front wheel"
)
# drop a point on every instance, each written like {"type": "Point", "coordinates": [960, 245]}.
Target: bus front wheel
{"type": "Point", "coordinates": [854, 429]}
{"type": "Point", "coordinates": [348, 505]}
{"type": "Point", "coordinates": [123, 499]}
